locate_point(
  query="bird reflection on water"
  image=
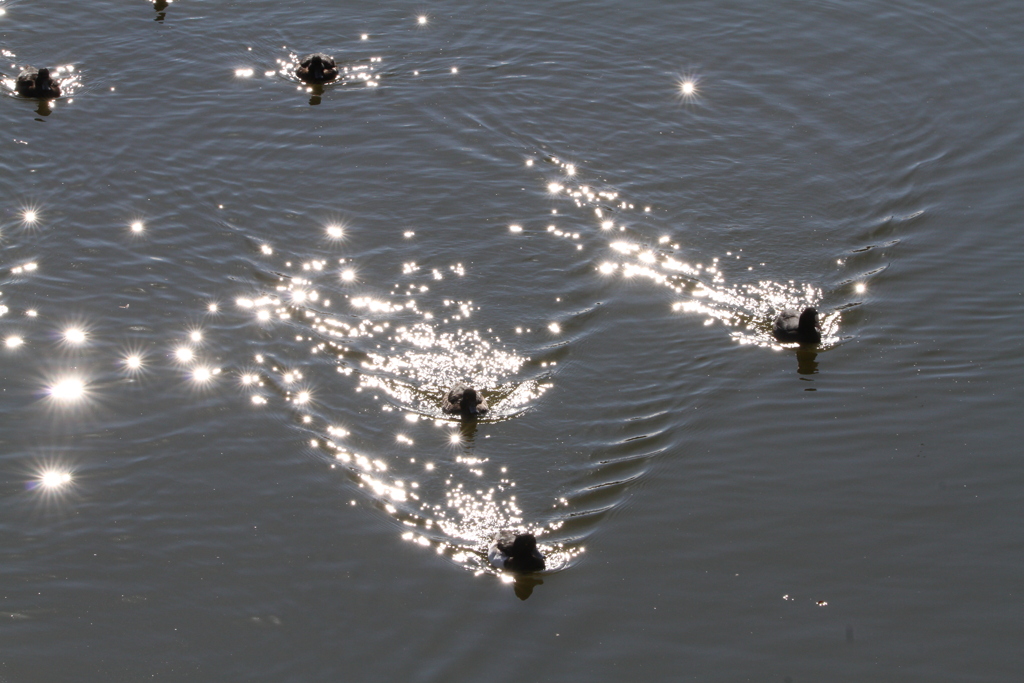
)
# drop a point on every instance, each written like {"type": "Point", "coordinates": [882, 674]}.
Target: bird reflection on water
{"type": "Point", "coordinates": [160, 6]}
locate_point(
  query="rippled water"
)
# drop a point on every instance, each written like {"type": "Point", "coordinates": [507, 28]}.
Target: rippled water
{"type": "Point", "coordinates": [231, 303]}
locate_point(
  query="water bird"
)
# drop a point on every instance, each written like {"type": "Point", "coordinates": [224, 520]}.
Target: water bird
{"type": "Point", "coordinates": [515, 552]}
{"type": "Point", "coordinates": [794, 326]}
{"type": "Point", "coordinates": [317, 68]}
{"type": "Point", "coordinates": [33, 82]}
{"type": "Point", "coordinates": [464, 400]}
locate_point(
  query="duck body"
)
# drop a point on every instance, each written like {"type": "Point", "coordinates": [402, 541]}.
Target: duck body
{"type": "Point", "coordinates": [33, 82]}
{"type": "Point", "coordinates": [515, 552]}
{"type": "Point", "coordinates": [317, 68]}
{"type": "Point", "coordinates": [463, 399]}
{"type": "Point", "coordinates": [797, 326]}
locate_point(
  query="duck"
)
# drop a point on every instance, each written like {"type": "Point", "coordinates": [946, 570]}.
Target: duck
{"type": "Point", "coordinates": [794, 326]}
{"type": "Point", "coordinates": [515, 552]}
{"type": "Point", "coordinates": [33, 82]}
{"type": "Point", "coordinates": [465, 400]}
{"type": "Point", "coordinates": [317, 68]}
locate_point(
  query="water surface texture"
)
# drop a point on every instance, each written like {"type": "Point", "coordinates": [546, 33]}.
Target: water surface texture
{"type": "Point", "coordinates": [230, 304]}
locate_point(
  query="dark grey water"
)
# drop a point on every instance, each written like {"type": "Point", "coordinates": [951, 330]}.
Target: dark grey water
{"type": "Point", "coordinates": [222, 455]}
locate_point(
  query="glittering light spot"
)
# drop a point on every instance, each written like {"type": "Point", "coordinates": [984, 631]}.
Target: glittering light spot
{"type": "Point", "coordinates": [555, 328]}
{"type": "Point", "coordinates": [30, 216]}
{"type": "Point", "coordinates": [25, 268]}
{"type": "Point", "coordinates": [348, 275]}
{"type": "Point", "coordinates": [265, 248]}
{"type": "Point", "coordinates": [202, 375]}
{"type": "Point", "coordinates": [68, 389]}
{"type": "Point", "coordinates": [408, 234]}
{"type": "Point", "coordinates": [196, 336]}
{"type": "Point", "coordinates": [364, 37]}
{"type": "Point", "coordinates": [137, 226]}
{"type": "Point", "coordinates": [529, 163]}
{"type": "Point", "coordinates": [335, 231]}
{"type": "Point", "coordinates": [244, 73]}
{"type": "Point", "coordinates": [52, 479]}
{"type": "Point", "coordinates": [302, 397]}
{"type": "Point", "coordinates": [32, 313]}
{"type": "Point", "coordinates": [455, 438]}
{"type": "Point", "coordinates": [421, 20]}
{"type": "Point", "coordinates": [263, 315]}
{"type": "Point", "coordinates": [74, 335]}
{"type": "Point", "coordinates": [688, 88]}
{"type": "Point", "coordinates": [515, 228]}
{"type": "Point", "coordinates": [212, 308]}
{"type": "Point", "coordinates": [183, 354]}
{"type": "Point", "coordinates": [607, 268]}
{"type": "Point", "coordinates": [13, 342]}
{"type": "Point", "coordinates": [860, 288]}
{"type": "Point", "coordinates": [455, 69]}
{"type": "Point", "coordinates": [133, 362]}
{"type": "Point", "coordinates": [259, 400]}
{"type": "Point", "coordinates": [570, 170]}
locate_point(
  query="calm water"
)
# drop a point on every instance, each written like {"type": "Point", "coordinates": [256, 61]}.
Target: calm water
{"type": "Point", "coordinates": [230, 306]}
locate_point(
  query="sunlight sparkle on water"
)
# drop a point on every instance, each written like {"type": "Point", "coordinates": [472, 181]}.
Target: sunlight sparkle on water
{"type": "Point", "coordinates": [515, 228]}
{"type": "Point", "coordinates": [202, 375]}
{"type": "Point", "coordinates": [196, 336]}
{"type": "Point", "coordinates": [348, 275]}
{"type": "Point", "coordinates": [13, 342]}
{"type": "Point", "coordinates": [69, 389]}
{"type": "Point", "coordinates": [52, 479]}
{"type": "Point", "coordinates": [29, 216]}
{"type": "Point", "coordinates": [687, 88]}
{"type": "Point", "coordinates": [137, 226]}
{"type": "Point", "coordinates": [421, 20]}
{"type": "Point", "coordinates": [183, 354]}
{"type": "Point", "coordinates": [74, 335]}
{"type": "Point", "coordinates": [133, 362]}
{"type": "Point", "coordinates": [335, 231]}
{"type": "Point", "coordinates": [212, 308]}
{"type": "Point", "coordinates": [860, 288]}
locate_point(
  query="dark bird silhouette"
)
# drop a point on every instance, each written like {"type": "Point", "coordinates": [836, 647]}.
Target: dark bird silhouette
{"type": "Point", "coordinates": [793, 326]}
{"type": "Point", "coordinates": [464, 400]}
{"type": "Point", "coordinates": [33, 82]}
{"type": "Point", "coordinates": [515, 552]}
{"type": "Point", "coordinates": [317, 68]}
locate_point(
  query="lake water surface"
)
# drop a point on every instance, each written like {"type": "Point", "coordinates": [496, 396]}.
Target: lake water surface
{"type": "Point", "coordinates": [230, 304]}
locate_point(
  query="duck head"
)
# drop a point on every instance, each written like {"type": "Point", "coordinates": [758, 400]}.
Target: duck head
{"type": "Point", "coordinates": [469, 401]}
{"type": "Point", "coordinates": [808, 326]}
{"type": "Point", "coordinates": [523, 555]}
